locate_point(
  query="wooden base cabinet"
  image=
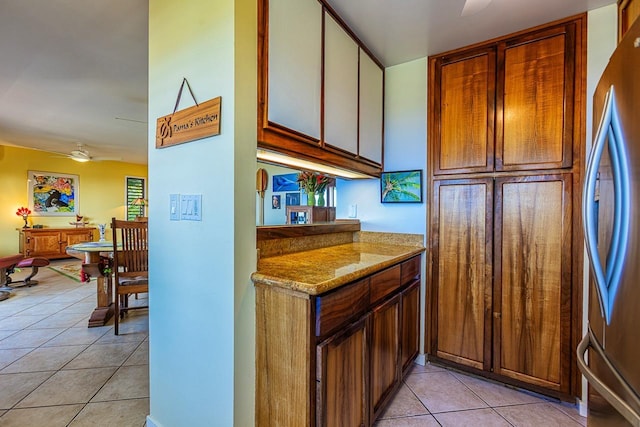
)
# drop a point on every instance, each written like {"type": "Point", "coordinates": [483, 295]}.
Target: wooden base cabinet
{"type": "Point", "coordinates": [342, 377]}
{"type": "Point", "coordinates": [335, 359]}
{"type": "Point", "coordinates": [51, 243]}
{"type": "Point", "coordinates": [385, 357]}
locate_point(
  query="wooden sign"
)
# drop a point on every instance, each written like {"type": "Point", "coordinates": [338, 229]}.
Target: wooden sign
{"type": "Point", "coordinates": [190, 124]}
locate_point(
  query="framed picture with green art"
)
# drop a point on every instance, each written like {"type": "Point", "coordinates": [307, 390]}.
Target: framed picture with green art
{"type": "Point", "coordinates": [401, 187]}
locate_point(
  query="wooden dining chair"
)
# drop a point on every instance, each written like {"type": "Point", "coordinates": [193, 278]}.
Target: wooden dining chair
{"type": "Point", "coordinates": [130, 264]}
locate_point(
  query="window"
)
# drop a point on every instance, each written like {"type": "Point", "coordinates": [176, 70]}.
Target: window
{"type": "Point", "coordinates": [135, 199]}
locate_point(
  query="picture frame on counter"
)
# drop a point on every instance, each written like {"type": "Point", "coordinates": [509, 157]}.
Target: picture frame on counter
{"type": "Point", "coordinates": [53, 193]}
{"type": "Point", "coordinates": [401, 187]}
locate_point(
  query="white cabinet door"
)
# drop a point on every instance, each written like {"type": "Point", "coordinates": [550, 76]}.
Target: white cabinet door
{"type": "Point", "coordinates": [340, 87]}
{"type": "Point", "coordinates": [295, 56]}
{"type": "Point", "coordinates": [371, 96]}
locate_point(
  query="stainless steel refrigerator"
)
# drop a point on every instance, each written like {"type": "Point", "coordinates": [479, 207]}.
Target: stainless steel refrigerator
{"type": "Point", "coordinates": [611, 214]}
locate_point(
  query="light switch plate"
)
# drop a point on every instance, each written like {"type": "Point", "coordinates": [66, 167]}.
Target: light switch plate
{"type": "Point", "coordinates": [191, 207]}
{"type": "Point", "coordinates": [174, 207]}
{"type": "Point", "coordinates": [353, 211]}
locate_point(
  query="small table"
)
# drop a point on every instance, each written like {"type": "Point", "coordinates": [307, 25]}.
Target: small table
{"type": "Point", "coordinates": [89, 253]}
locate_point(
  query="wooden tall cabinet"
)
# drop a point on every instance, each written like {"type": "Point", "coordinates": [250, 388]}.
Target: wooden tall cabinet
{"type": "Point", "coordinates": [506, 129]}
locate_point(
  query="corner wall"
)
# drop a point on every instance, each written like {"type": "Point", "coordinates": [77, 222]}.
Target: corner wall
{"type": "Point", "coordinates": [201, 318]}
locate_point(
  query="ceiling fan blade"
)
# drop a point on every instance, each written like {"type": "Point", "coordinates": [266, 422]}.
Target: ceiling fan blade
{"type": "Point", "coordinates": [471, 7]}
{"type": "Point", "coordinates": [105, 159]}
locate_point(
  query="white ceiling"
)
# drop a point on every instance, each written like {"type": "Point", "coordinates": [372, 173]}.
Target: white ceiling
{"type": "Point", "coordinates": [75, 71]}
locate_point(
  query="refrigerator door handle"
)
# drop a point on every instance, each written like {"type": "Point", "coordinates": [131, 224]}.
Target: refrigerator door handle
{"type": "Point", "coordinates": [607, 282]}
{"type": "Point", "coordinates": [609, 395]}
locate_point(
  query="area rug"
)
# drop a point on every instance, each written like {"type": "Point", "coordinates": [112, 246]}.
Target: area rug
{"type": "Point", "coordinates": [72, 271]}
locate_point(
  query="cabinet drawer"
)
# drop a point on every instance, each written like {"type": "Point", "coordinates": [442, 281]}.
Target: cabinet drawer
{"type": "Point", "coordinates": [410, 269]}
{"type": "Point", "coordinates": [336, 308]}
{"type": "Point", "coordinates": [384, 283]}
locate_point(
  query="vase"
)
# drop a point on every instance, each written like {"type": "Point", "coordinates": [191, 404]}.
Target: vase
{"type": "Point", "coordinates": [26, 224]}
{"type": "Point", "coordinates": [320, 198]}
{"type": "Point", "coordinates": [311, 198]}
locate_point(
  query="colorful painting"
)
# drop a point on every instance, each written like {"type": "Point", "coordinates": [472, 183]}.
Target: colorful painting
{"type": "Point", "coordinates": [53, 194]}
{"type": "Point", "coordinates": [288, 182]}
{"type": "Point", "coordinates": [401, 187]}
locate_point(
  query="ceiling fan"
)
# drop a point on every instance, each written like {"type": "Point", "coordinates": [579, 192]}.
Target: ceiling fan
{"type": "Point", "coordinates": [471, 7]}
{"type": "Point", "coordinates": [81, 154]}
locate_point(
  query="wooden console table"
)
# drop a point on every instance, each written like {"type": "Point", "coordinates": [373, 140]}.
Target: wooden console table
{"type": "Point", "coordinates": [51, 243]}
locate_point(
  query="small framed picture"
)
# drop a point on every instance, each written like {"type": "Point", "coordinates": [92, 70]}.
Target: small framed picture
{"type": "Point", "coordinates": [275, 201]}
{"type": "Point", "coordinates": [293, 199]}
{"type": "Point", "coordinates": [401, 187]}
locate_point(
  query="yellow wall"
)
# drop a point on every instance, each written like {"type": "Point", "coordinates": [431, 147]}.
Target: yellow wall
{"type": "Point", "coordinates": [101, 196]}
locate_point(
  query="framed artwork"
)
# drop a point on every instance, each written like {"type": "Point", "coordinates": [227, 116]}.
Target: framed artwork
{"type": "Point", "coordinates": [293, 199]}
{"type": "Point", "coordinates": [53, 194]}
{"type": "Point", "coordinates": [401, 187]}
{"type": "Point", "coordinates": [287, 182]}
{"type": "Point", "coordinates": [275, 201]}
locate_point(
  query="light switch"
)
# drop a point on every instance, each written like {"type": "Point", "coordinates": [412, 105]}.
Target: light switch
{"type": "Point", "coordinates": [191, 207]}
{"type": "Point", "coordinates": [353, 211]}
{"type": "Point", "coordinates": [174, 207]}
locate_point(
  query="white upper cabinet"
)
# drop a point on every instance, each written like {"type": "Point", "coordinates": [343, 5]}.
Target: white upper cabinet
{"type": "Point", "coordinates": [295, 65]}
{"type": "Point", "coordinates": [371, 98]}
{"type": "Point", "coordinates": [340, 87]}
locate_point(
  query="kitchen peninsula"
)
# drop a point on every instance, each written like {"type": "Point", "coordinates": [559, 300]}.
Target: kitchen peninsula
{"type": "Point", "coordinates": [337, 322]}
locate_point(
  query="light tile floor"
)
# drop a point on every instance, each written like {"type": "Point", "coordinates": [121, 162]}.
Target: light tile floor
{"type": "Point", "coordinates": [434, 396]}
{"type": "Point", "coordinates": [54, 371]}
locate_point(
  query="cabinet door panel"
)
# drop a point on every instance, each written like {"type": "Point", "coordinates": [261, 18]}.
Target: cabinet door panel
{"type": "Point", "coordinates": [340, 88]}
{"type": "Point", "coordinates": [410, 324]}
{"type": "Point", "coordinates": [370, 125]}
{"type": "Point", "coordinates": [538, 103]}
{"type": "Point", "coordinates": [628, 12]}
{"type": "Point", "coordinates": [533, 279]}
{"type": "Point", "coordinates": [385, 343]}
{"type": "Point", "coordinates": [462, 270]}
{"type": "Point", "coordinates": [294, 64]}
{"type": "Point", "coordinates": [45, 244]}
{"type": "Point", "coordinates": [466, 105]}
{"type": "Point", "coordinates": [342, 378]}
{"type": "Point", "coordinates": [71, 238]}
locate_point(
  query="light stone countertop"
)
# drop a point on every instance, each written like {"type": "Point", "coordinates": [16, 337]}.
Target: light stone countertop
{"type": "Point", "coordinates": [320, 270]}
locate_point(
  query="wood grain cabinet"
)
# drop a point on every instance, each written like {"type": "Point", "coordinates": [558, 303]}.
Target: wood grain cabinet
{"type": "Point", "coordinates": [320, 90]}
{"type": "Point", "coordinates": [51, 243]}
{"type": "Point", "coordinates": [628, 12]}
{"type": "Point", "coordinates": [505, 277]}
{"type": "Point", "coordinates": [335, 358]}
{"type": "Point", "coordinates": [509, 105]}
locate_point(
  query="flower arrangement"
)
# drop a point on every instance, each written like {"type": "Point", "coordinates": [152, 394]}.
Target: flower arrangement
{"type": "Point", "coordinates": [24, 213]}
{"type": "Point", "coordinates": [312, 182]}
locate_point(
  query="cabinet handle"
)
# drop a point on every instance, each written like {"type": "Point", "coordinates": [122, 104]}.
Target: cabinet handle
{"type": "Point", "coordinates": [607, 283]}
